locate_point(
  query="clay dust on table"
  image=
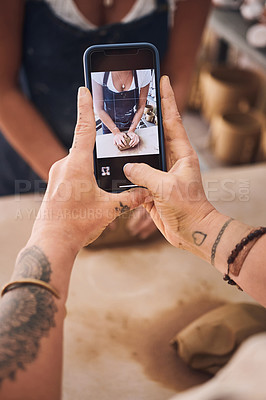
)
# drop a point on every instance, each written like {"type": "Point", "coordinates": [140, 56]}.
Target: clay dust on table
{"type": "Point", "coordinates": [148, 341]}
{"type": "Point", "coordinates": [122, 336]}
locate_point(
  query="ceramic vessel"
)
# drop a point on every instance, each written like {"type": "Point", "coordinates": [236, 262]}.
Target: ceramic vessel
{"type": "Point", "coordinates": [225, 89]}
{"type": "Point", "coordinates": [148, 108]}
{"type": "Point", "coordinates": [235, 137]}
{"type": "Point", "coordinates": [150, 116]}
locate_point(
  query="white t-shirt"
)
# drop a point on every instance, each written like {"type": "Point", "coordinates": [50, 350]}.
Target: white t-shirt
{"type": "Point", "coordinates": [68, 11]}
{"type": "Point", "coordinates": [144, 78]}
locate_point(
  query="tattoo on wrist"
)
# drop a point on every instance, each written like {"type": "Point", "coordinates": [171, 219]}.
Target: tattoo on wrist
{"type": "Point", "coordinates": [217, 240]}
{"type": "Point", "coordinates": [198, 237]}
{"type": "Point", "coordinates": [26, 315]}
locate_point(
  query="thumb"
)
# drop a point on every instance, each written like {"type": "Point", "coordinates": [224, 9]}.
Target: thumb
{"type": "Point", "coordinates": [128, 200]}
{"type": "Point", "coordinates": [118, 203]}
{"type": "Point", "coordinates": [143, 175]}
{"type": "Point", "coordinates": [85, 131]}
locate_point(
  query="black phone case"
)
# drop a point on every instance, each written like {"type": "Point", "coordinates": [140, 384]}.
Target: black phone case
{"type": "Point", "coordinates": [87, 72]}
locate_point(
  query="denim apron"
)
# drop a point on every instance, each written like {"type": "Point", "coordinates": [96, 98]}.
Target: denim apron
{"type": "Point", "coordinates": [121, 106]}
{"type": "Point", "coordinates": [52, 71]}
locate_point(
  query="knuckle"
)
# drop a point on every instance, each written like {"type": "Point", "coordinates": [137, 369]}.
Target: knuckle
{"type": "Point", "coordinates": [169, 97]}
{"type": "Point", "coordinates": [83, 108]}
{"type": "Point", "coordinates": [82, 126]}
{"type": "Point", "coordinates": [194, 157]}
{"type": "Point", "coordinates": [140, 168]}
{"type": "Point", "coordinates": [54, 168]}
{"type": "Point", "coordinates": [177, 116]}
{"type": "Point", "coordinates": [171, 124]}
{"type": "Point", "coordinates": [174, 118]}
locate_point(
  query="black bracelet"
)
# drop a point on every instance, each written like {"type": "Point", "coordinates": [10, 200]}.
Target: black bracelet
{"type": "Point", "coordinates": [255, 234]}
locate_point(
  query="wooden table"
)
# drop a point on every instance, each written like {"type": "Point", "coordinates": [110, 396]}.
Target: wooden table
{"type": "Point", "coordinates": [125, 304]}
{"type": "Point", "coordinates": [148, 144]}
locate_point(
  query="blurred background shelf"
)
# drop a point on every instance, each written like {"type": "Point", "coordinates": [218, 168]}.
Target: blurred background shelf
{"type": "Point", "coordinates": [231, 28]}
{"type": "Point", "coordinates": [224, 43]}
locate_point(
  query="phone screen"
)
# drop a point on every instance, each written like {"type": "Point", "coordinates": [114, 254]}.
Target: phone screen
{"type": "Point", "coordinates": [127, 113]}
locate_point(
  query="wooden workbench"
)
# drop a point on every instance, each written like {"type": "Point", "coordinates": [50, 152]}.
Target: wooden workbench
{"type": "Point", "coordinates": [125, 304]}
{"type": "Point", "coordinates": [148, 144]}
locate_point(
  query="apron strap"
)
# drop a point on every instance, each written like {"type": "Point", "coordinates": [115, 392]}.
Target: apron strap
{"type": "Point", "coordinates": [161, 2]}
{"type": "Point", "coordinates": [162, 5]}
{"type": "Point", "coordinates": [136, 79]}
{"type": "Point", "coordinates": [105, 78]}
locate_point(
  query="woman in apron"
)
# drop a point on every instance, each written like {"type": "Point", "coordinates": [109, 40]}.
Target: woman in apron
{"type": "Point", "coordinates": [41, 47]}
{"type": "Point", "coordinates": [119, 101]}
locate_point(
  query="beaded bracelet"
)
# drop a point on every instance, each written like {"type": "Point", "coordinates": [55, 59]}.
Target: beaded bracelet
{"type": "Point", "coordinates": [239, 254]}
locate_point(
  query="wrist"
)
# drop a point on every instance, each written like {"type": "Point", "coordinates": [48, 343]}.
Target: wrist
{"type": "Point", "coordinates": [60, 259]}
{"type": "Point", "coordinates": [194, 233]}
{"type": "Point", "coordinates": [58, 236]}
{"type": "Point", "coordinates": [59, 239]}
{"type": "Point", "coordinates": [214, 237]}
{"type": "Point", "coordinates": [116, 131]}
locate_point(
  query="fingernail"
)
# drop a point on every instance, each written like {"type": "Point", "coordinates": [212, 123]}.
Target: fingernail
{"type": "Point", "coordinates": [167, 79]}
{"type": "Point", "coordinates": [127, 168]}
{"type": "Point", "coordinates": [82, 91]}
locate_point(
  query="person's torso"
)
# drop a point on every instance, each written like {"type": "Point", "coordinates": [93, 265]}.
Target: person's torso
{"type": "Point", "coordinates": [89, 15]}
{"type": "Point", "coordinates": [53, 51]}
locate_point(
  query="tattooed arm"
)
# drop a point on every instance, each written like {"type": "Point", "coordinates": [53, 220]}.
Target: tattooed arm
{"type": "Point", "coordinates": [73, 213]}
{"type": "Point", "coordinates": [180, 210]}
{"type": "Point", "coordinates": [31, 327]}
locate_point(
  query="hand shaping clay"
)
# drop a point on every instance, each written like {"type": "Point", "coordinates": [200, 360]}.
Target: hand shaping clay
{"type": "Point", "coordinates": [127, 140]}
{"type": "Point", "coordinates": [209, 342]}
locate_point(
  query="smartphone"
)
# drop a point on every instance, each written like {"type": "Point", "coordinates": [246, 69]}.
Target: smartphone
{"type": "Point", "coordinates": [124, 82]}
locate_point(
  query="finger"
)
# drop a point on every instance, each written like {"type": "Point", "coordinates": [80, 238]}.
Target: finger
{"type": "Point", "coordinates": [85, 131]}
{"type": "Point", "coordinates": [112, 226]}
{"type": "Point", "coordinates": [135, 140]}
{"type": "Point", "coordinates": [117, 141]}
{"type": "Point", "coordinates": [126, 201]}
{"type": "Point", "coordinates": [176, 141]}
{"type": "Point", "coordinates": [143, 225]}
{"type": "Point", "coordinates": [136, 219]}
{"type": "Point", "coordinates": [147, 232]}
{"type": "Point", "coordinates": [143, 175]}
